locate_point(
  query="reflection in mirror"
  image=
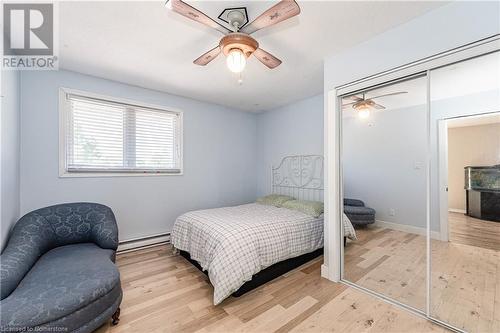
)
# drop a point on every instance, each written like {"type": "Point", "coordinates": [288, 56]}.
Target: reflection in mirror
{"type": "Point", "coordinates": [384, 151]}
{"type": "Point", "coordinates": [465, 194]}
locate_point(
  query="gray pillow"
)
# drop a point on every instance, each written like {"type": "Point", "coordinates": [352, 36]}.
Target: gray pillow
{"type": "Point", "coordinates": [276, 200]}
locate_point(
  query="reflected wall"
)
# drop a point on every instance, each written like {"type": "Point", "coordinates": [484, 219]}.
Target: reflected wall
{"type": "Point", "coordinates": [384, 147]}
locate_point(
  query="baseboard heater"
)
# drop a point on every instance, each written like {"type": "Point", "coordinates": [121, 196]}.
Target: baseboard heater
{"type": "Point", "coordinates": [143, 242]}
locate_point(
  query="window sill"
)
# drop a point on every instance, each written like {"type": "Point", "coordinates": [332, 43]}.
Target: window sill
{"type": "Point", "coordinates": [115, 174]}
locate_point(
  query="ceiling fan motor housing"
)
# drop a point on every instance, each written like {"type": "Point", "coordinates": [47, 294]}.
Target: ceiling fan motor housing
{"type": "Point", "coordinates": [238, 40]}
{"type": "Point", "coordinates": [364, 103]}
{"type": "Point", "coordinates": [236, 18]}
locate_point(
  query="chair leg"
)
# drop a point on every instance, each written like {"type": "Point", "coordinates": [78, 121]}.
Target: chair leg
{"type": "Point", "coordinates": [116, 317]}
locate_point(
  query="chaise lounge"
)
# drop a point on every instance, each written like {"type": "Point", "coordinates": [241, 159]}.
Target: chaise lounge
{"type": "Point", "coordinates": [358, 213]}
{"type": "Point", "coordinates": [58, 272]}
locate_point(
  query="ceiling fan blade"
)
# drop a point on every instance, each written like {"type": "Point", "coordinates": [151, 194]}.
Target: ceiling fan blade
{"type": "Point", "coordinates": [207, 56]}
{"type": "Point", "coordinates": [347, 107]}
{"type": "Point", "coordinates": [353, 98]}
{"type": "Point", "coordinates": [266, 58]}
{"type": "Point", "coordinates": [194, 14]}
{"type": "Point", "coordinates": [378, 106]}
{"type": "Point", "coordinates": [390, 94]}
{"type": "Point", "coordinates": [349, 104]}
{"type": "Point", "coordinates": [283, 10]}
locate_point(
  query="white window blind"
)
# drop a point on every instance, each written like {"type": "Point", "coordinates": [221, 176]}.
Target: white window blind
{"type": "Point", "coordinates": [109, 136]}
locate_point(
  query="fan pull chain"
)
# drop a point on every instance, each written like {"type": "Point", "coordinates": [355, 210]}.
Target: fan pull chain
{"type": "Point", "coordinates": [240, 79]}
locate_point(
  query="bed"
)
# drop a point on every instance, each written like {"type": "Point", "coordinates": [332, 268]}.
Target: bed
{"type": "Point", "coordinates": [242, 247]}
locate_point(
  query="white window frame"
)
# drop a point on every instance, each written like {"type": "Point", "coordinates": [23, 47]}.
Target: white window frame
{"type": "Point", "coordinates": [64, 106]}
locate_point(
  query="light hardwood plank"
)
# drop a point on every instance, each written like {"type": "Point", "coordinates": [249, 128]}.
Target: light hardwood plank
{"type": "Point", "coordinates": [164, 293]}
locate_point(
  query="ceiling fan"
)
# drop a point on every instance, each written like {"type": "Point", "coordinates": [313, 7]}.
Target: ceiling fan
{"type": "Point", "coordinates": [363, 105]}
{"type": "Point", "coordinates": [237, 44]}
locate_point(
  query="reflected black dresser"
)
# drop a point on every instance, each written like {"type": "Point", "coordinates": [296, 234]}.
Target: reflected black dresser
{"type": "Point", "coordinates": [482, 187]}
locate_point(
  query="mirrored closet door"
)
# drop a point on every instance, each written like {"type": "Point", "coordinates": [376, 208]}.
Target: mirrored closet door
{"type": "Point", "coordinates": [465, 194]}
{"type": "Point", "coordinates": [420, 183]}
{"type": "Point", "coordinates": [384, 183]}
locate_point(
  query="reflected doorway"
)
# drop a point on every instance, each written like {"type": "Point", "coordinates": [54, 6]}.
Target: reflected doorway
{"type": "Point", "coordinates": [471, 167]}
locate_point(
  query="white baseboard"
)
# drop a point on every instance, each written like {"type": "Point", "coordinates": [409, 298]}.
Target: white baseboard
{"type": "Point", "coordinates": [143, 242]}
{"type": "Point", "coordinates": [407, 228]}
{"type": "Point", "coordinates": [456, 210]}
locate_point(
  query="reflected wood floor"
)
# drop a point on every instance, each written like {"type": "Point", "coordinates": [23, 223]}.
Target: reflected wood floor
{"type": "Point", "coordinates": [165, 293]}
{"type": "Point", "coordinates": [465, 280]}
{"type": "Point", "coordinates": [389, 262]}
{"type": "Point", "coordinates": [471, 231]}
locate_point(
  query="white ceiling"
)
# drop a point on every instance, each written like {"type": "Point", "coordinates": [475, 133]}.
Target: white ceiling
{"type": "Point", "coordinates": [144, 44]}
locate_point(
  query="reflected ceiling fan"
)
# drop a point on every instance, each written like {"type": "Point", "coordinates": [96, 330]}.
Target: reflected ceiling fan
{"type": "Point", "coordinates": [238, 45]}
{"type": "Point", "coordinates": [363, 105]}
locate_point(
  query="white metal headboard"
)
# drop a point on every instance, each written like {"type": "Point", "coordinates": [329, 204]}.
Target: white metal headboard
{"type": "Point", "coordinates": [299, 176]}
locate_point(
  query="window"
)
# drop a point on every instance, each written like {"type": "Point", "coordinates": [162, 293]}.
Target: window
{"type": "Point", "coordinates": [103, 135]}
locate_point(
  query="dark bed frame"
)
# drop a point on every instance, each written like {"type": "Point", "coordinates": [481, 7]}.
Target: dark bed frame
{"type": "Point", "coordinates": [267, 274]}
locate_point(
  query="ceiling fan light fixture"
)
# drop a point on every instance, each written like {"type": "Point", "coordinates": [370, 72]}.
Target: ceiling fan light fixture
{"type": "Point", "coordinates": [364, 113]}
{"type": "Point", "coordinates": [237, 44]}
{"type": "Point", "coordinates": [236, 61]}
{"type": "Point", "coordinates": [363, 110]}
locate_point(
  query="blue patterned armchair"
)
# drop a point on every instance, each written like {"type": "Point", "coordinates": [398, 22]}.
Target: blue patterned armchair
{"type": "Point", "coordinates": [57, 272]}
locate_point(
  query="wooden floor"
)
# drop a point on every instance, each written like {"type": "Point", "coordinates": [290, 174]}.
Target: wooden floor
{"type": "Point", "coordinates": [470, 231]}
{"type": "Point", "coordinates": [165, 293]}
{"type": "Point", "coordinates": [465, 280]}
{"type": "Point", "coordinates": [389, 262]}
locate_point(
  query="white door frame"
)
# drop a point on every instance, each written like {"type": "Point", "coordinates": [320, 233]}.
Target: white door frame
{"type": "Point", "coordinates": [333, 263]}
{"type": "Point", "coordinates": [443, 178]}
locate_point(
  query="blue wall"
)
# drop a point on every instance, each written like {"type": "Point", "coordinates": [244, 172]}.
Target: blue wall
{"type": "Point", "coordinates": [228, 154]}
{"type": "Point", "coordinates": [295, 129]}
{"type": "Point", "coordinates": [220, 149]}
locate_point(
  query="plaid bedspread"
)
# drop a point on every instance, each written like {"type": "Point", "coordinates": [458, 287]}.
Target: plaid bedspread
{"type": "Point", "coordinates": [234, 243]}
{"type": "Point", "coordinates": [349, 231]}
